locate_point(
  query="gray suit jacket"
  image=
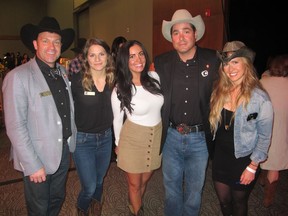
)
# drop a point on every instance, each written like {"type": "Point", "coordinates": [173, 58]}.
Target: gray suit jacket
{"type": "Point", "coordinates": [33, 124]}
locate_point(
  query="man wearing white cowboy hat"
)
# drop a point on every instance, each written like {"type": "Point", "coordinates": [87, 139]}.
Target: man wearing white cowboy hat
{"type": "Point", "coordinates": [39, 116]}
{"type": "Point", "coordinates": [186, 75]}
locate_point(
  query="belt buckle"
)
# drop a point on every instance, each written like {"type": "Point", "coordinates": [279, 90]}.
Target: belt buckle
{"type": "Point", "coordinates": [183, 128]}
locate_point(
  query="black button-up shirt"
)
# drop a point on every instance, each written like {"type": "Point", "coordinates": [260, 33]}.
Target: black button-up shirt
{"type": "Point", "coordinates": [185, 106]}
{"type": "Point", "coordinates": [60, 94]}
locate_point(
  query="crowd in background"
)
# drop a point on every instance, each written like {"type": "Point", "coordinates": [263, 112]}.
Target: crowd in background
{"type": "Point", "coordinates": [10, 60]}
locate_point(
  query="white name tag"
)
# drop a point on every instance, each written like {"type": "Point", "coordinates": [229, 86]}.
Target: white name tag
{"type": "Point", "coordinates": [89, 93]}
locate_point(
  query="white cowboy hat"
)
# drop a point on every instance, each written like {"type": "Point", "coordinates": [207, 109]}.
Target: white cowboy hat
{"type": "Point", "coordinates": [183, 16]}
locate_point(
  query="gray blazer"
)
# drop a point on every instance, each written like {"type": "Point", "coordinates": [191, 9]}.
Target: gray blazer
{"type": "Point", "coordinates": [33, 124]}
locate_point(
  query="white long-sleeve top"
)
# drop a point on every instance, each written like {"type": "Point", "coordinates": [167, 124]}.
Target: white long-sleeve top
{"type": "Point", "coordinates": [146, 108]}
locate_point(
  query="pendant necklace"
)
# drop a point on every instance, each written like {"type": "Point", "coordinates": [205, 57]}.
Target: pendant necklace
{"type": "Point", "coordinates": [226, 125]}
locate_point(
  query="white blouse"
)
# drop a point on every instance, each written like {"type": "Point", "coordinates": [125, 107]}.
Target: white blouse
{"type": "Point", "coordinates": [146, 108]}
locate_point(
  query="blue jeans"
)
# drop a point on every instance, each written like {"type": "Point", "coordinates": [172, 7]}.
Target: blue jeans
{"type": "Point", "coordinates": [92, 158]}
{"type": "Point", "coordinates": [46, 198]}
{"type": "Point", "coordinates": [184, 164]}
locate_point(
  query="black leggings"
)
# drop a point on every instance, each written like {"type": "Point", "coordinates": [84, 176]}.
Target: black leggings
{"type": "Point", "coordinates": [232, 202]}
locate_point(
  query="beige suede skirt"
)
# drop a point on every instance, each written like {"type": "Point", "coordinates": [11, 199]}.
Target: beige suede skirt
{"type": "Point", "coordinates": [138, 148]}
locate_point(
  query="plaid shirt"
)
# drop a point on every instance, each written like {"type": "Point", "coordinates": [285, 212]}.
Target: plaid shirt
{"type": "Point", "coordinates": [75, 65]}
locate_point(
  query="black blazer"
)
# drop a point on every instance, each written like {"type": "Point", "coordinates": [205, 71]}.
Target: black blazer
{"type": "Point", "coordinates": [208, 65]}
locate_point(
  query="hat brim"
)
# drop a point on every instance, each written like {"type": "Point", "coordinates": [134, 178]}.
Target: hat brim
{"type": "Point", "coordinates": [242, 52]}
{"type": "Point", "coordinates": [29, 33]}
{"type": "Point", "coordinates": [76, 50]}
{"type": "Point", "coordinates": [197, 21]}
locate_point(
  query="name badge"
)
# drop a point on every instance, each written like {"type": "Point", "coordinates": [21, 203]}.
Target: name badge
{"type": "Point", "coordinates": [89, 93]}
{"type": "Point", "coordinates": [46, 93]}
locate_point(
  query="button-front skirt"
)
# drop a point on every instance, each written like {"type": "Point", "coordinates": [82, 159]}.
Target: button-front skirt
{"type": "Point", "coordinates": [138, 149]}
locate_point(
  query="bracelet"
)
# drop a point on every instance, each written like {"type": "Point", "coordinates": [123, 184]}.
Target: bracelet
{"type": "Point", "coordinates": [250, 170]}
{"type": "Point", "coordinates": [253, 165]}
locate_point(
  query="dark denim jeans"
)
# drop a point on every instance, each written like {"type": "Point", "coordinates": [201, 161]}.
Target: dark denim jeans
{"type": "Point", "coordinates": [46, 198]}
{"type": "Point", "coordinates": [92, 158]}
{"type": "Point", "coordinates": [185, 159]}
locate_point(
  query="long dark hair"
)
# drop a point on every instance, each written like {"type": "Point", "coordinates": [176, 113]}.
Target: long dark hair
{"type": "Point", "coordinates": [124, 76]}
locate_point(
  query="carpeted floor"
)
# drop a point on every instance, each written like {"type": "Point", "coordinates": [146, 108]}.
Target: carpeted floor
{"type": "Point", "coordinates": [115, 192]}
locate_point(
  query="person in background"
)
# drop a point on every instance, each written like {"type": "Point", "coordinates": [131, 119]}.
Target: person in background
{"type": "Point", "coordinates": [241, 119]}
{"type": "Point", "coordinates": [12, 63]}
{"type": "Point", "coordinates": [187, 74]}
{"type": "Point", "coordinates": [91, 89]}
{"type": "Point", "coordinates": [276, 84]}
{"type": "Point", "coordinates": [18, 59]}
{"type": "Point", "coordinates": [75, 64]}
{"type": "Point", "coordinates": [138, 95]}
{"type": "Point", "coordinates": [25, 58]}
{"type": "Point", "coordinates": [116, 45]}
{"type": "Point", "coordinates": [39, 117]}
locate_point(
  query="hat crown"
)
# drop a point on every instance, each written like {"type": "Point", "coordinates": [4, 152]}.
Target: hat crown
{"type": "Point", "coordinates": [49, 23]}
{"type": "Point", "coordinates": [233, 46]}
{"type": "Point", "coordinates": [181, 14]}
{"type": "Point", "coordinates": [235, 49]}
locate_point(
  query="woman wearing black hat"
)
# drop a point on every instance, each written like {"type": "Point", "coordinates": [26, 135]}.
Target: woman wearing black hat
{"type": "Point", "coordinates": [241, 120]}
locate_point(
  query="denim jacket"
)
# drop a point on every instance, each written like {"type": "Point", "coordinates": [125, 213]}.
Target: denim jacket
{"type": "Point", "coordinates": [253, 127]}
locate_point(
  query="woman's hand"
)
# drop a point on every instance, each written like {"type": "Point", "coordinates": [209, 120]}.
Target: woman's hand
{"type": "Point", "coordinates": [247, 176]}
{"type": "Point", "coordinates": [116, 150]}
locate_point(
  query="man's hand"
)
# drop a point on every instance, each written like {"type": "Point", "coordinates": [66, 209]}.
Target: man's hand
{"type": "Point", "coordinates": [39, 176]}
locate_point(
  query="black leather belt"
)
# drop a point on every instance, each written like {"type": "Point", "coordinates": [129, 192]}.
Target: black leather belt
{"type": "Point", "coordinates": [186, 129]}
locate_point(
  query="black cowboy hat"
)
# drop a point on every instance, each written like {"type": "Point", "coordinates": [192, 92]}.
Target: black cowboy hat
{"type": "Point", "coordinates": [80, 45]}
{"type": "Point", "coordinates": [29, 32]}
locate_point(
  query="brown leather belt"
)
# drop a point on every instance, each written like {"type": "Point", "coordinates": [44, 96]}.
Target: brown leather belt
{"type": "Point", "coordinates": [186, 129]}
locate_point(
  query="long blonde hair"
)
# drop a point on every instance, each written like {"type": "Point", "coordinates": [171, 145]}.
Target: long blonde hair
{"type": "Point", "coordinates": [222, 88]}
{"type": "Point", "coordinates": [87, 81]}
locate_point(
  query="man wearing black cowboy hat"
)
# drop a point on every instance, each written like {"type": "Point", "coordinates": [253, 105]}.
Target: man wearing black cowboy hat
{"type": "Point", "coordinates": [39, 116]}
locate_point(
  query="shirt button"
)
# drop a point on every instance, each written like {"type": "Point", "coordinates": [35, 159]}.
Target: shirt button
{"type": "Point", "coordinates": [59, 140]}
{"type": "Point", "coordinates": [186, 89]}
{"type": "Point", "coordinates": [58, 122]}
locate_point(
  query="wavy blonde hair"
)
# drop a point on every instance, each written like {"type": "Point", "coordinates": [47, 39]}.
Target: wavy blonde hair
{"type": "Point", "coordinates": [87, 81]}
{"type": "Point", "coordinates": [222, 88]}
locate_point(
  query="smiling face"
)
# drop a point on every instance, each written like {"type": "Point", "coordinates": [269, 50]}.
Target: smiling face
{"type": "Point", "coordinates": [137, 60]}
{"type": "Point", "coordinates": [48, 47]}
{"type": "Point", "coordinates": [235, 70]}
{"type": "Point", "coordinates": [97, 58]}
